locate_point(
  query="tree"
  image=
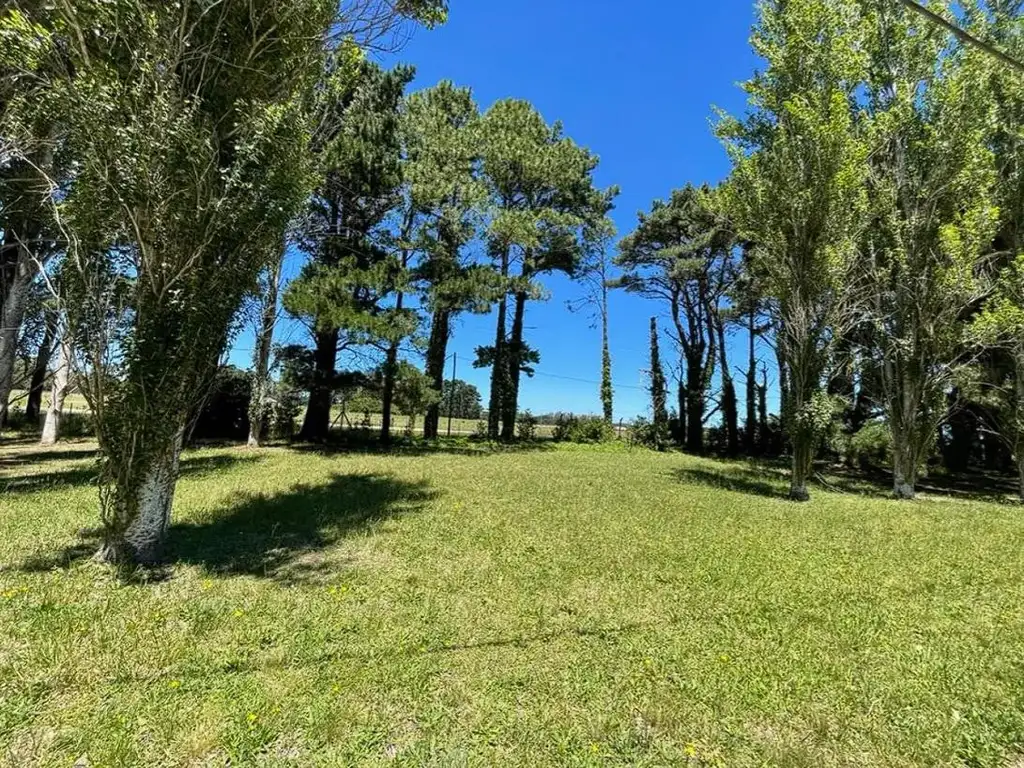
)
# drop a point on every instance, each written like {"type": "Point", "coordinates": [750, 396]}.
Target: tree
{"type": "Point", "coordinates": [931, 184]}
{"type": "Point", "coordinates": [262, 385]}
{"type": "Point", "coordinates": [659, 396]}
{"type": "Point", "coordinates": [447, 193]}
{"type": "Point", "coordinates": [61, 383]}
{"type": "Point", "coordinates": [797, 190]}
{"type": "Point", "coordinates": [461, 400]}
{"type": "Point", "coordinates": [541, 185]}
{"type": "Point", "coordinates": [40, 368]}
{"type": "Point", "coordinates": [351, 269]}
{"type": "Point", "coordinates": [679, 254]}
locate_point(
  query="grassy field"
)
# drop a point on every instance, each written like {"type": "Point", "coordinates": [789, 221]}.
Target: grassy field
{"type": "Point", "coordinates": [550, 606]}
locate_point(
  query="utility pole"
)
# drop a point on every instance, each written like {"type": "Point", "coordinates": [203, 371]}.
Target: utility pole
{"type": "Point", "coordinates": [451, 393]}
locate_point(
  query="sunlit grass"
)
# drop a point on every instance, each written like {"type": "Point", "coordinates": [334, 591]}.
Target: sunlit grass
{"type": "Point", "coordinates": [548, 607]}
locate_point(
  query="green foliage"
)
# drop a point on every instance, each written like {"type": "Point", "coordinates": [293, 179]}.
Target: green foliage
{"type": "Point", "coordinates": [870, 447]}
{"type": "Point", "coordinates": [461, 400]}
{"type": "Point", "coordinates": [224, 414]}
{"type": "Point", "coordinates": [526, 426]}
{"type": "Point", "coordinates": [583, 429]}
{"type": "Point", "coordinates": [659, 393]}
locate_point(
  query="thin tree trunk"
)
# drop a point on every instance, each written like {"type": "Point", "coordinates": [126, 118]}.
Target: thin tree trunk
{"type": "Point", "coordinates": [750, 440]}
{"type": "Point", "coordinates": [682, 397]}
{"type": "Point", "coordinates": [264, 346]}
{"type": "Point", "coordinates": [607, 392]}
{"type": "Point", "coordinates": [317, 422]}
{"type": "Point", "coordinates": [730, 410]}
{"type": "Point", "coordinates": [141, 504]}
{"type": "Point", "coordinates": [695, 404]}
{"type": "Point", "coordinates": [33, 406]}
{"type": "Point", "coordinates": [437, 353]}
{"type": "Point", "coordinates": [61, 381]}
{"type": "Point", "coordinates": [388, 392]}
{"type": "Point", "coordinates": [762, 413]}
{"type": "Point", "coordinates": [499, 370]}
{"type": "Point", "coordinates": [515, 360]}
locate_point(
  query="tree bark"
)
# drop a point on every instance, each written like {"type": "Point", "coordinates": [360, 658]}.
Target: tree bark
{"type": "Point", "coordinates": [387, 398]}
{"type": "Point", "coordinates": [141, 506]}
{"type": "Point", "coordinates": [904, 470]}
{"type": "Point", "coordinates": [316, 424]}
{"type": "Point", "coordinates": [607, 392]}
{"type": "Point", "coordinates": [33, 405]}
{"type": "Point", "coordinates": [682, 397]}
{"type": "Point", "coordinates": [12, 310]}
{"type": "Point", "coordinates": [510, 409]}
{"type": "Point", "coordinates": [762, 413]}
{"type": "Point", "coordinates": [437, 353]}
{"type": "Point", "coordinates": [695, 405]}
{"type": "Point", "coordinates": [730, 410]}
{"type": "Point", "coordinates": [61, 381]}
{"type": "Point", "coordinates": [264, 345]}
{"type": "Point", "coordinates": [803, 458]}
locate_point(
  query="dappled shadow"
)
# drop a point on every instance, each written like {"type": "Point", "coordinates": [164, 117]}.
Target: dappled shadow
{"type": "Point", "coordinates": [284, 536]}
{"type": "Point", "coordinates": [15, 481]}
{"type": "Point", "coordinates": [733, 477]}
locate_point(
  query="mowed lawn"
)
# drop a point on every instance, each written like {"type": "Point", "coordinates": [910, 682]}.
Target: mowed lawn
{"type": "Point", "coordinates": [545, 607]}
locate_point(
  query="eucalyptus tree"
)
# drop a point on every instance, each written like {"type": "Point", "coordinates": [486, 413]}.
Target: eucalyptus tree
{"type": "Point", "coordinates": [680, 254]}
{"type": "Point", "coordinates": [797, 190]}
{"type": "Point", "coordinates": [445, 189]}
{"type": "Point", "coordinates": [933, 215]}
{"type": "Point", "coordinates": [352, 265]}
{"type": "Point", "coordinates": [267, 310]}
{"type": "Point", "coordinates": [544, 201]}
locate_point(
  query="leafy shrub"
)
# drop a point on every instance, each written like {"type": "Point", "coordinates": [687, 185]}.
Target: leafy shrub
{"type": "Point", "coordinates": [870, 447]}
{"type": "Point", "coordinates": [583, 429]}
{"type": "Point", "coordinates": [481, 430]}
{"type": "Point", "coordinates": [77, 424]}
{"type": "Point", "coordinates": [644, 432]}
{"type": "Point", "coordinates": [283, 410]}
{"type": "Point", "coordinates": [526, 426]}
{"type": "Point", "coordinates": [225, 413]}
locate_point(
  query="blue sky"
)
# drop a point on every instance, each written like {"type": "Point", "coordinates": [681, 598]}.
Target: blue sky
{"type": "Point", "coordinates": [635, 82]}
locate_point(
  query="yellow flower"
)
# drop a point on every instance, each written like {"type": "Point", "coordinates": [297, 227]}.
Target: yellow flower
{"type": "Point", "coordinates": [251, 717]}
{"type": "Point", "coordinates": [174, 684]}
{"type": "Point", "coordinates": [724, 658]}
{"type": "Point", "coordinates": [239, 613]}
{"type": "Point", "coordinates": [207, 583]}
{"type": "Point", "coordinates": [690, 750]}
{"type": "Point", "coordinates": [595, 748]}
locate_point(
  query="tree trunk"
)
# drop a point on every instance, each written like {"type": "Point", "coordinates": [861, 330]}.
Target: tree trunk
{"type": "Point", "coordinates": [317, 423]}
{"type": "Point", "coordinates": [35, 391]}
{"type": "Point", "coordinates": [762, 413]}
{"type": "Point", "coordinates": [499, 370]}
{"type": "Point", "coordinates": [750, 433]}
{"type": "Point", "coordinates": [803, 457]}
{"type": "Point", "coordinates": [387, 398]}
{"type": "Point", "coordinates": [730, 410]}
{"type": "Point", "coordinates": [23, 272]}
{"type": "Point", "coordinates": [695, 405]}
{"type": "Point", "coordinates": [264, 345]}
{"type": "Point", "coordinates": [607, 392]}
{"type": "Point", "coordinates": [681, 439]}
{"type": "Point", "coordinates": [437, 353]}
{"type": "Point", "coordinates": [510, 409]}
{"type": "Point", "coordinates": [141, 508]}
{"type": "Point", "coordinates": [904, 469]}
{"type": "Point", "coordinates": [61, 380]}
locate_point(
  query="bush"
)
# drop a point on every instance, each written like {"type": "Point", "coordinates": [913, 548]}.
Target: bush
{"type": "Point", "coordinates": [284, 408]}
{"type": "Point", "coordinates": [871, 447]}
{"type": "Point", "coordinates": [583, 429]}
{"type": "Point", "coordinates": [225, 414]}
{"type": "Point", "coordinates": [77, 424]}
{"type": "Point", "coordinates": [526, 426]}
{"type": "Point", "coordinates": [644, 432]}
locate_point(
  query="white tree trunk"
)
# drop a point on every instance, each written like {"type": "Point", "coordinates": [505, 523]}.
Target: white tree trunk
{"type": "Point", "coordinates": [61, 381]}
{"type": "Point", "coordinates": [264, 344]}
{"type": "Point", "coordinates": [147, 507]}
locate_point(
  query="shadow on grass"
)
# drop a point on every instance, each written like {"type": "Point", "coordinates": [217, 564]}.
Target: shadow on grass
{"type": "Point", "coordinates": [357, 441]}
{"type": "Point", "coordinates": [86, 475]}
{"type": "Point", "coordinates": [771, 479]}
{"type": "Point", "coordinates": [282, 537]}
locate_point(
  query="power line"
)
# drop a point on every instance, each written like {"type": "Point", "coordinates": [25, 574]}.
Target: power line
{"type": "Point", "coordinates": [962, 35]}
{"type": "Point", "coordinates": [585, 381]}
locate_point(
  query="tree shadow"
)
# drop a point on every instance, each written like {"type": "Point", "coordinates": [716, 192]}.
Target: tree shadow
{"type": "Point", "coordinates": [357, 441]}
{"type": "Point", "coordinates": [86, 474]}
{"type": "Point", "coordinates": [284, 537]}
{"type": "Point", "coordinates": [752, 480]}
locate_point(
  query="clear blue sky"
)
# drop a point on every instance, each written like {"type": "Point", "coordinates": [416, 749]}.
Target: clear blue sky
{"type": "Point", "coordinates": [635, 82]}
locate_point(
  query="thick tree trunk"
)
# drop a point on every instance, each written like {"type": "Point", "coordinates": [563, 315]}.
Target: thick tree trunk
{"type": "Point", "coordinates": [261, 359]}
{"type": "Point", "coordinates": [61, 382]}
{"type": "Point", "coordinates": [437, 353]}
{"type": "Point", "coordinates": [33, 405]}
{"type": "Point", "coordinates": [904, 469]}
{"type": "Point", "coordinates": [12, 312]}
{"type": "Point", "coordinates": [682, 411]}
{"type": "Point", "coordinates": [730, 409]}
{"type": "Point", "coordinates": [695, 405]}
{"type": "Point", "coordinates": [510, 409]}
{"type": "Point", "coordinates": [803, 457]}
{"type": "Point", "coordinates": [317, 422]}
{"type": "Point", "coordinates": [142, 510]}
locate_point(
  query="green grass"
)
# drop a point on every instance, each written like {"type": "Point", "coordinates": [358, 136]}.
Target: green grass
{"type": "Point", "coordinates": [546, 607]}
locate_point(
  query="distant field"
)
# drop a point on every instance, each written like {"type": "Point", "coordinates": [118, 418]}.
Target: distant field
{"type": "Point", "coordinates": [401, 422]}
{"type": "Point", "coordinates": [545, 606]}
